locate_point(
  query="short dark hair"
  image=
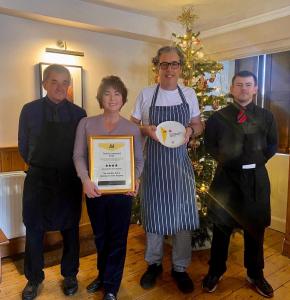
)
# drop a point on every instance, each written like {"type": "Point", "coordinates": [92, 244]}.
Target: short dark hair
{"type": "Point", "coordinates": [167, 49]}
{"type": "Point", "coordinates": [57, 69]}
{"type": "Point", "coordinates": [245, 74]}
{"type": "Point", "coordinates": [116, 83]}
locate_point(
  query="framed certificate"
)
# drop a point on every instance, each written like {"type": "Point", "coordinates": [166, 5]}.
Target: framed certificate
{"type": "Point", "coordinates": [111, 160]}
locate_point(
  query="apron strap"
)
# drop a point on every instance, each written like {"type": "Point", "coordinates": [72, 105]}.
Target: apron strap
{"type": "Point", "coordinates": [154, 98]}
{"type": "Point", "coordinates": [181, 95]}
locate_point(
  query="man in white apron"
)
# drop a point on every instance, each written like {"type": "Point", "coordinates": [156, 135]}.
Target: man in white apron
{"type": "Point", "coordinates": [168, 187]}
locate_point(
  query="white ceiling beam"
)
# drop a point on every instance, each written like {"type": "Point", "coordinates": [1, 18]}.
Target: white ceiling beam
{"type": "Point", "coordinates": [259, 19]}
{"type": "Point", "coordinates": [84, 15]}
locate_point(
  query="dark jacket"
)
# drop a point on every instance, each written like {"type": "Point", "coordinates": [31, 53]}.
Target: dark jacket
{"type": "Point", "coordinates": [238, 196]}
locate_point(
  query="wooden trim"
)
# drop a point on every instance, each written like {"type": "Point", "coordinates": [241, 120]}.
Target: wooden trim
{"type": "Point", "coordinates": [286, 243]}
{"type": "Point", "coordinates": [51, 240]}
{"type": "Point", "coordinates": [3, 241]}
{"type": "Point", "coordinates": [3, 238]}
{"type": "Point", "coordinates": [11, 160]}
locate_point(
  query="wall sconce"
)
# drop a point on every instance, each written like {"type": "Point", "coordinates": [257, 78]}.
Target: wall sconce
{"type": "Point", "coordinates": [62, 49]}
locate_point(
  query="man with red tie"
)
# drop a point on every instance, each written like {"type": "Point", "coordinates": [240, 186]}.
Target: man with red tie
{"type": "Point", "coordinates": [241, 137]}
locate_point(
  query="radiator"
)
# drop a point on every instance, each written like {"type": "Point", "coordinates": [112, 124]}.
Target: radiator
{"type": "Point", "coordinates": [11, 187]}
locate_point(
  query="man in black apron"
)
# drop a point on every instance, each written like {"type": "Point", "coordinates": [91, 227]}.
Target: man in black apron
{"type": "Point", "coordinates": [52, 191]}
{"type": "Point", "coordinates": [242, 137]}
{"type": "Point", "coordinates": [167, 185]}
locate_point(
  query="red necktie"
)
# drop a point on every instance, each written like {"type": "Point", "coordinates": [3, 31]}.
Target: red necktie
{"type": "Point", "coordinates": [242, 117]}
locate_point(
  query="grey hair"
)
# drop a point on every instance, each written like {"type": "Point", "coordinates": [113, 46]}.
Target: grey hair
{"type": "Point", "coordinates": [167, 49]}
{"type": "Point", "coordinates": [57, 69]}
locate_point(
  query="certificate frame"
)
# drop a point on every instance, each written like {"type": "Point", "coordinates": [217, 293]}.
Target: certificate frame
{"type": "Point", "coordinates": [111, 163]}
{"type": "Point", "coordinates": [75, 90]}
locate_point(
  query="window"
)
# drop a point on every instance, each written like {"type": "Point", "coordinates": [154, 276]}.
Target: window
{"type": "Point", "coordinates": [273, 73]}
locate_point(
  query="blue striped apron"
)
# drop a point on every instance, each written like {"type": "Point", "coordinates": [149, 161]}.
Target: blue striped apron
{"type": "Point", "coordinates": [168, 188]}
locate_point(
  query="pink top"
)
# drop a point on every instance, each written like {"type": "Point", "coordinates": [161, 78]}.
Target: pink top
{"type": "Point", "coordinates": [91, 126]}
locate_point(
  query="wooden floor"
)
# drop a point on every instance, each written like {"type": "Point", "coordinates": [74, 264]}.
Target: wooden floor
{"type": "Point", "coordinates": [233, 285]}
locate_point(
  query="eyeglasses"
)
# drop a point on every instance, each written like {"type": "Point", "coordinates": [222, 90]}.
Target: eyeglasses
{"type": "Point", "coordinates": [165, 65]}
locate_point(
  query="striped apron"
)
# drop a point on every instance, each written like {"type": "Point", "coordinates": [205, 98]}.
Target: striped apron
{"type": "Point", "coordinates": [168, 188]}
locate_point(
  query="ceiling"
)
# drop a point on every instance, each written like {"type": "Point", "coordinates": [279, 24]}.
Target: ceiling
{"type": "Point", "coordinates": [211, 13]}
{"type": "Point", "coordinates": [229, 28]}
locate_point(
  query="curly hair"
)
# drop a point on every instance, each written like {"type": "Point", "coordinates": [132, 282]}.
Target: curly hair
{"type": "Point", "coordinates": [167, 49]}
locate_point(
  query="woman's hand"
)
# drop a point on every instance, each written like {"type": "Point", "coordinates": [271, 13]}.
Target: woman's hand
{"type": "Point", "coordinates": [90, 189]}
{"type": "Point", "coordinates": [134, 194]}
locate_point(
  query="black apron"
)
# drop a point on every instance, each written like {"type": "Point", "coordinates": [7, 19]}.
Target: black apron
{"type": "Point", "coordinates": [52, 191]}
{"type": "Point", "coordinates": [241, 197]}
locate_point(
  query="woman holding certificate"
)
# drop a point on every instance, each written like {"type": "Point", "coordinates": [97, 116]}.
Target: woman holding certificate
{"type": "Point", "coordinates": [109, 209]}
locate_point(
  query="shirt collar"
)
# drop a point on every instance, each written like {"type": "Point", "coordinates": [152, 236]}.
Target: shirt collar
{"type": "Point", "coordinates": [249, 107]}
{"type": "Point", "coordinates": [54, 105]}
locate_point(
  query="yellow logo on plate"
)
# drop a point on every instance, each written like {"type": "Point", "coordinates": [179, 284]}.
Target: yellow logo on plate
{"type": "Point", "coordinates": [164, 134]}
{"type": "Point", "coordinates": [111, 146]}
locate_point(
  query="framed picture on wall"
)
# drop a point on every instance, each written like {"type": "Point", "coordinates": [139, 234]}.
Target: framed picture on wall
{"type": "Point", "coordinates": [75, 90]}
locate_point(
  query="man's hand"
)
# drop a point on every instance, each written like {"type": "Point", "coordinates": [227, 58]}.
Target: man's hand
{"type": "Point", "coordinates": [188, 134]}
{"type": "Point", "coordinates": [150, 131]}
{"type": "Point", "coordinates": [90, 189]}
{"type": "Point", "coordinates": [146, 130]}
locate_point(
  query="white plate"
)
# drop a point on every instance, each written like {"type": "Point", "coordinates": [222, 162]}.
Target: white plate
{"type": "Point", "coordinates": [171, 134]}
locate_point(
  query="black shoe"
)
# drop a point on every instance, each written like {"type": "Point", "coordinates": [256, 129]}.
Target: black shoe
{"type": "Point", "coordinates": [210, 282]}
{"type": "Point", "coordinates": [148, 279]}
{"type": "Point", "coordinates": [95, 285]}
{"type": "Point", "coordinates": [30, 291]}
{"type": "Point", "coordinates": [110, 296]}
{"type": "Point", "coordinates": [184, 282]}
{"type": "Point", "coordinates": [262, 286]}
{"type": "Point", "coordinates": [70, 285]}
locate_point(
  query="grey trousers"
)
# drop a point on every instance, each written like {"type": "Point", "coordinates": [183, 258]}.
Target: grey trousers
{"type": "Point", "coordinates": [181, 249]}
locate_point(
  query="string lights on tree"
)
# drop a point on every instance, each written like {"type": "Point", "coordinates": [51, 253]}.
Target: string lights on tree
{"type": "Point", "coordinates": [199, 72]}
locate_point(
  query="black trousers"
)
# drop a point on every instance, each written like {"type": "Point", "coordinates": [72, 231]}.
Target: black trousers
{"type": "Point", "coordinates": [34, 260]}
{"type": "Point", "coordinates": [110, 218]}
{"type": "Point", "coordinates": [253, 251]}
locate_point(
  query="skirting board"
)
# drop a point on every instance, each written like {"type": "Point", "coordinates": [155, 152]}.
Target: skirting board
{"type": "Point", "coordinates": [278, 224]}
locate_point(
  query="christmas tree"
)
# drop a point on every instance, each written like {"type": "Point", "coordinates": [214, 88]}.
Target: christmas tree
{"type": "Point", "coordinates": [199, 72]}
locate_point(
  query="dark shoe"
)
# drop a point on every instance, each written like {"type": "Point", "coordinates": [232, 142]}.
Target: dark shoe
{"type": "Point", "coordinates": [262, 286]}
{"type": "Point", "coordinates": [70, 285]}
{"type": "Point", "coordinates": [110, 296]}
{"type": "Point", "coordinates": [30, 291]}
{"type": "Point", "coordinates": [95, 285]}
{"type": "Point", "coordinates": [148, 279]}
{"type": "Point", "coordinates": [210, 282]}
{"type": "Point", "coordinates": [183, 281]}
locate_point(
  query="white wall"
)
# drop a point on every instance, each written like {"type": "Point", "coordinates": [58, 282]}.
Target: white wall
{"type": "Point", "coordinates": [23, 44]}
{"type": "Point", "coordinates": [278, 169]}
